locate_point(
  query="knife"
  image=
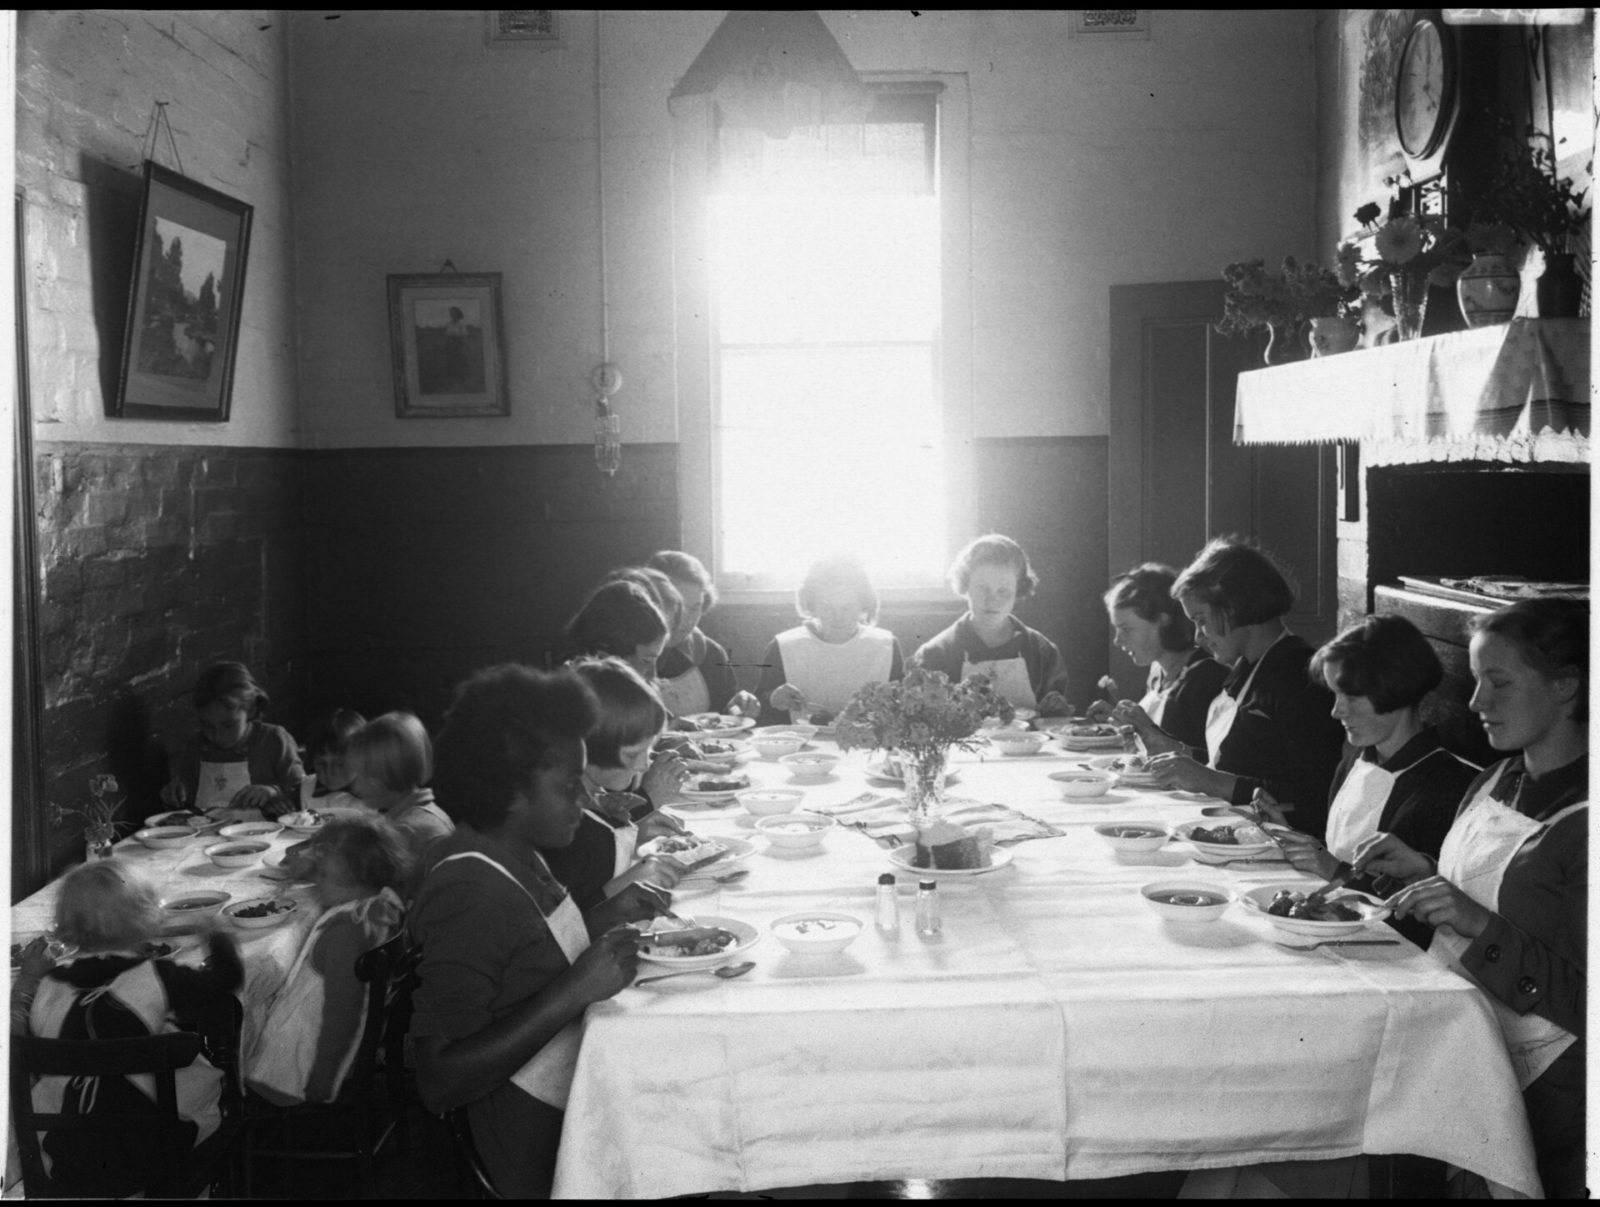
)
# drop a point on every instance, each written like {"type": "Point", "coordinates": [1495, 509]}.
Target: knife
{"type": "Point", "coordinates": [1341, 875]}
{"type": "Point", "coordinates": [684, 938]}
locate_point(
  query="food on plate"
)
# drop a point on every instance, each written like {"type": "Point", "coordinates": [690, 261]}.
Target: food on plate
{"type": "Point", "coordinates": [712, 783]}
{"type": "Point", "coordinates": [306, 819]}
{"type": "Point", "coordinates": [685, 850]}
{"type": "Point", "coordinates": [947, 845]}
{"type": "Point", "coordinates": [264, 909]}
{"type": "Point", "coordinates": [1287, 904]}
{"type": "Point", "coordinates": [1134, 764]}
{"type": "Point", "coordinates": [1222, 836]}
{"type": "Point", "coordinates": [706, 721]}
{"type": "Point", "coordinates": [1187, 897]}
{"type": "Point", "coordinates": [178, 817]}
{"type": "Point", "coordinates": [1132, 832]}
{"type": "Point", "coordinates": [1090, 731]}
{"type": "Point", "coordinates": [669, 937]}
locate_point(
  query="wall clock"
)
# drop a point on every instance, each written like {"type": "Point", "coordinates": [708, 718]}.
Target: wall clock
{"type": "Point", "coordinates": [1426, 94]}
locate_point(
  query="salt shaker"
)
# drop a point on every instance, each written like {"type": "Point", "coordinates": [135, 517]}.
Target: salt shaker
{"type": "Point", "coordinates": [928, 907]}
{"type": "Point", "coordinates": [888, 905]}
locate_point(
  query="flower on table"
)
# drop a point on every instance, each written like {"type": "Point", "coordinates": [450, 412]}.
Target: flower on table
{"type": "Point", "coordinates": [99, 816]}
{"type": "Point", "coordinates": [924, 713]}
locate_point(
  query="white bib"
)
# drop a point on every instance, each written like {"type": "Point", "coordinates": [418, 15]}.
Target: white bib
{"type": "Point", "coordinates": [688, 693]}
{"type": "Point", "coordinates": [1010, 675]}
{"type": "Point", "coordinates": [624, 841]}
{"type": "Point", "coordinates": [219, 783]}
{"type": "Point", "coordinates": [828, 674]}
{"type": "Point", "coordinates": [1486, 836]}
{"type": "Point", "coordinates": [1224, 708]}
{"type": "Point", "coordinates": [1358, 807]}
{"type": "Point", "coordinates": [548, 1075]}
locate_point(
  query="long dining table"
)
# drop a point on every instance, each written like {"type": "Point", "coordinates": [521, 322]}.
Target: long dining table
{"type": "Point", "coordinates": [1056, 1029]}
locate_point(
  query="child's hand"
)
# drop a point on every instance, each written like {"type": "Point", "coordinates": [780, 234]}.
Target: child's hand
{"type": "Point", "coordinates": [655, 824]}
{"type": "Point", "coordinates": [786, 697]}
{"type": "Point", "coordinates": [743, 704]}
{"type": "Point", "coordinates": [173, 795]}
{"type": "Point", "coordinates": [664, 781]}
{"type": "Point", "coordinates": [255, 796]}
{"type": "Point", "coordinates": [1054, 704]}
{"type": "Point", "coordinates": [35, 960]}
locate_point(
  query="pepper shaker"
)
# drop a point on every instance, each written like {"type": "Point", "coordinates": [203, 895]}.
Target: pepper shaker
{"type": "Point", "coordinates": [928, 923]}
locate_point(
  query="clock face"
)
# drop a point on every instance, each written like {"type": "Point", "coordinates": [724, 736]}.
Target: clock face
{"type": "Point", "coordinates": [1420, 90]}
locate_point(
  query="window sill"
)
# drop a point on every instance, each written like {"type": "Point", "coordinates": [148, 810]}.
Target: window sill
{"type": "Point", "coordinates": [888, 597]}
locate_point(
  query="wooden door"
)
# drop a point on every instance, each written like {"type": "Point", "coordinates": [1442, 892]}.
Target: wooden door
{"type": "Point", "coordinates": [1176, 478]}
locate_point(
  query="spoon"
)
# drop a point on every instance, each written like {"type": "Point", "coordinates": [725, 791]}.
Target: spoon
{"type": "Point", "coordinates": [727, 972]}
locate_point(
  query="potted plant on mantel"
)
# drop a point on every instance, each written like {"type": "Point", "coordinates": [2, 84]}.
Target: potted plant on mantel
{"type": "Point", "coordinates": [1283, 301]}
{"type": "Point", "coordinates": [1523, 191]}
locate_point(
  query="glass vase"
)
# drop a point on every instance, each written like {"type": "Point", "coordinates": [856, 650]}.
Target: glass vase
{"type": "Point", "coordinates": [924, 777]}
{"type": "Point", "coordinates": [1488, 289]}
{"type": "Point", "coordinates": [1284, 344]}
{"type": "Point", "coordinates": [1410, 293]}
{"type": "Point", "coordinates": [99, 844]}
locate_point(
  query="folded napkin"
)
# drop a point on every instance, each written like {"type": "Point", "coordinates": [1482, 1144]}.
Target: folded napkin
{"type": "Point", "coordinates": [883, 819]}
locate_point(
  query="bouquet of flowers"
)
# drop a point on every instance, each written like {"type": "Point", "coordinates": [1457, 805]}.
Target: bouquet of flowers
{"type": "Point", "coordinates": [99, 816]}
{"type": "Point", "coordinates": [1285, 298]}
{"type": "Point", "coordinates": [922, 714]}
{"type": "Point", "coordinates": [1414, 245]}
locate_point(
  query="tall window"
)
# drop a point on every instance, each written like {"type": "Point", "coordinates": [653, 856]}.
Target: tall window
{"type": "Point", "coordinates": [828, 420]}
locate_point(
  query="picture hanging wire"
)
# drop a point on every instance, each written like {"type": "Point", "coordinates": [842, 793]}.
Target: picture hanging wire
{"type": "Point", "coordinates": [158, 122]}
{"type": "Point", "coordinates": [449, 266]}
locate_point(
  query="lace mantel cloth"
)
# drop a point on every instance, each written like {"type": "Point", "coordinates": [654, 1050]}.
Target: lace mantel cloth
{"type": "Point", "coordinates": [1517, 392]}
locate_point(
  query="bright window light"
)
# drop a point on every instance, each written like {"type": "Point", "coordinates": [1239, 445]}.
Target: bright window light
{"type": "Point", "coordinates": [829, 423]}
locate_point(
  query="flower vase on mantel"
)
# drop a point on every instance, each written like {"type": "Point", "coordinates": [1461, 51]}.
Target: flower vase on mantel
{"type": "Point", "coordinates": [924, 777]}
{"type": "Point", "coordinates": [1284, 344]}
{"type": "Point", "coordinates": [1488, 289]}
{"type": "Point", "coordinates": [1410, 293]}
{"type": "Point", "coordinates": [1333, 334]}
{"type": "Point", "coordinates": [99, 844]}
{"type": "Point", "coordinates": [1559, 288]}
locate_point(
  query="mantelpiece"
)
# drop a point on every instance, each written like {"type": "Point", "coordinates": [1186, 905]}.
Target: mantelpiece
{"type": "Point", "coordinates": [1514, 393]}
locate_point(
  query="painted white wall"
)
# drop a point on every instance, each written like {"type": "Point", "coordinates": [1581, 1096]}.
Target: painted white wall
{"type": "Point", "coordinates": [1093, 164]}
{"type": "Point", "coordinates": [87, 82]}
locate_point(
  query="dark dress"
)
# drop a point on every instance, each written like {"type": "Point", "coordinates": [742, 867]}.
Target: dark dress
{"type": "Point", "coordinates": [1189, 697]}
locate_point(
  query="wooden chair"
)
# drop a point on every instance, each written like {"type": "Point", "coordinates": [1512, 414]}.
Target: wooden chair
{"type": "Point", "coordinates": [183, 1170]}
{"type": "Point", "coordinates": [370, 1107]}
{"type": "Point", "coordinates": [467, 1153]}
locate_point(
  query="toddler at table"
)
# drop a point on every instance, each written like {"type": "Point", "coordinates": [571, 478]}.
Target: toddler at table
{"type": "Point", "coordinates": [109, 987]}
{"type": "Point", "coordinates": [393, 763]}
{"type": "Point", "coordinates": [993, 575]}
{"type": "Point", "coordinates": [624, 788]}
{"type": "Point", "coordinates": [328, 748]}
{"type": "Point", "coordinates": [300, 1046]}
{"type": "Point", "coordinates": [237, 762]}
{"type": "Point", "coordinates": [813, 669]}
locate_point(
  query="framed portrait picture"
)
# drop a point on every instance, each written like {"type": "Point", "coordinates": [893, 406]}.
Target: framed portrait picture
{"type": "Point", "coordinates": [183, 316]}
{"type": "Point", "coordinates": [445, 334]}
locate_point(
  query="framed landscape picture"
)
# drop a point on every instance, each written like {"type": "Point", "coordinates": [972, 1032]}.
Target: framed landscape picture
{"type": "Point", "coordinates": [444, 332]}
{"type": "Point", "coordinates": [183, 316]}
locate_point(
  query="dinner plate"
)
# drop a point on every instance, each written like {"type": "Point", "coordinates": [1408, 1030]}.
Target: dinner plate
{"type": "Point", "coordinates": [877, 774]}
{"type": "Point", "coordinates": [1128, 778]}
{"type": "Point", "coordinates": [272, 866]}
{"type": "Point", "coordinates": [738, 751]}
{"type": "Point", "coordinates": [1222, 850]}
{"type": "Point", "coordinates": [1078, 743]}
{"type": "Point", "coordinates": [307, 821]}
{"type": "Point", "coordinates": [742, 931]}
{"type": "Point", "coordinates": [1370, 909]}
{"type": "Point", "coordinates": [250, 829]}
{"type": "Point", "coordinates": [284, 909]}
{"type": "Point", "coordinates": [901, 858]}
{"type": "Point", "coordinates": [718, 725]}
{"type": "Point", "coordinates": [739, 849]}
{"type": "Point", "coordinates": [702, 796]}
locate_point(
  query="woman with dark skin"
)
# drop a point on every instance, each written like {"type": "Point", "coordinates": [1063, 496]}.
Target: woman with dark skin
{"type": "Point", "coordinates": [507, 960]}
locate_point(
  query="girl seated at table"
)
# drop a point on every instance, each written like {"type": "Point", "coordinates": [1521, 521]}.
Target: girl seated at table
{"type": "Point", "coordinates": [508, 963]}
{"type": "Point", "coordinates": [620, 619]}
{"type": "Point", "coordinates": [328, 748]}
{"type": "Point", "coordinates": [1508, 895]}
{"type": "Point", "coordinates": [393, 764]}
{"type": "Point", "coordinates": [812, 670]}
{"type": "Point", "coordinates": [625, 787]}
{"type": "Point", "coordinates": [301, 1044]}
{"type": "Point", "coordinates": [1396, 775]}
{"type": "Point", "coordinates": [993, 575]}
{"type": "Point", "coordinates": [236, 761]}
{"type": "Point", "coordinates": [693, 673]}
{"type": "Point", "coordinates": [109, 987]}
{"type": "Point", "coordinates": [1271, 727]}
{"type": "Point", "coordinates": [1152, 630]}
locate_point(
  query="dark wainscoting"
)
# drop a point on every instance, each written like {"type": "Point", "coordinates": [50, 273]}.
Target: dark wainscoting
{"type": "Point", "coordinates": [154, 561]}
{"type": "Point", "coordinates": [426, 564]}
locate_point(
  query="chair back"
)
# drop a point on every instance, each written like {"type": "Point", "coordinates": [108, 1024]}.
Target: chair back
{"type": "Point", "coordinates": [158, 1056]}
{"type": "Point", "coordinates": [467, 1151]}
{"type": "Point", "coordinates": [383, 970]}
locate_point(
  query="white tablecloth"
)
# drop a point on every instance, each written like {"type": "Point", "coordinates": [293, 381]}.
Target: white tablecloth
{"type": "Point", "coordinates": [1057, 1029]}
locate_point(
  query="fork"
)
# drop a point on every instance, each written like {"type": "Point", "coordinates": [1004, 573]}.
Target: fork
{"type": "Point", "coordinates": [1222, 863]}
{"type": "Point", "coordinates": [1338, 943]}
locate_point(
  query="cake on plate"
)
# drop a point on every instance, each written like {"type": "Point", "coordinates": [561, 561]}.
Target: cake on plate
{"type": "Point", "coordinates": [949, 846]}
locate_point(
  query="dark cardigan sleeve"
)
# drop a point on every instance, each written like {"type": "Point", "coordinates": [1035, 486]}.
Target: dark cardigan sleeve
{"type": "Point", "coordinates": [1184, 717]}
{"type": "Point", "coordinates": [585, 867]}
{"type": "Point", "coordinates": [773, 677]}
{"type": "Point", "coordinates": [721, 684]}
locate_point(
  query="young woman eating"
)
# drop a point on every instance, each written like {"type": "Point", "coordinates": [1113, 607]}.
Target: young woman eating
{"type": "Point", "coordinates": [1270, 727]}
{"type": "Point", "coordinates": [1509, 894]}
{"type": "Point", "coordinates": [508, 962]}
{"type": "Point", "coordinates": [993, 575]}
{"type": "Point", "coordinates": [694, 674]}
{"type": "Point", "coordinates": [812, 670]}
{"type": "Point", "coordinates": [1152, 630]}
{"type": "Point", "coordinates": [620, 619]}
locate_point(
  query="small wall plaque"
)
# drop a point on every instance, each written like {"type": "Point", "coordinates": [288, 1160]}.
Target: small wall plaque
{"type": "Point", "coordinates": [536, 27]}
{"type": "Point", "coordinates": [1110, 23]}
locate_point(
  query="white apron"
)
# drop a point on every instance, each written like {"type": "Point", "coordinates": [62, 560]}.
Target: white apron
{"type": "Point", "coordinates": [624, 841]}
{"type": "Point", "coordinates": [828, 674]}
{"type": "Point", "coordinates": [1158, 687]}
{"type": "Point", "coordinates": [548, 1075]}
{"type": "Point", "coordinates": [1486, 836]}
{"type": "Point", "coordinates": [1358, 807]}
{"type": "Point", "coordinates": [687, 694]}
{"type": "Point", "coordinates": [219, 783]}
{"type": "Point", "coordinates": [1010, 675]}
{"type": "Point", "coordinates": [1224, 708]}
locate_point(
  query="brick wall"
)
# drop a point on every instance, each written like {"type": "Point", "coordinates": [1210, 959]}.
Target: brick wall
{"type": "Point", "coordinates": [155, 561]}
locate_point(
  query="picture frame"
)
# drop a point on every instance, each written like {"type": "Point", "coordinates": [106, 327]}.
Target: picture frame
{"type": "Point", "coordinates": [445, 334]}
{"type": "Point", "coordinates": [535, 28]}
{"type": "Point", "coordinates": [182, 340]}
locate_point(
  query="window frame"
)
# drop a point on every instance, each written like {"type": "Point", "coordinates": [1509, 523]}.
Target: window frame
{"type": "Point", "coordinates": [697, 376]}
